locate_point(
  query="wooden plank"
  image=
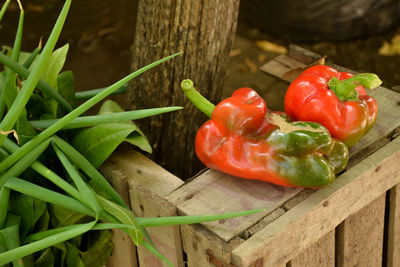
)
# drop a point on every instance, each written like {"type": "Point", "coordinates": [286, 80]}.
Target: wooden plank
{"type": "Point", "coordinates": [320, 213]}
{"type": "Point", "coordinates": [148, 186]}
{"type": "Point", "coordinates": [321, 253]}
{"type": "Point", "coordinates": [283, 66]}
{"type": "Point", "coordinates": [124, 253]}
{"type": "Point", "coordinates": [167, 239]}
{"type": "Point", "coordinates": [360, 236]}
{"type": "Point", "coordinates": [393, 242]}
{"type": "Point", "coordinates": [204, 248]}
{"type": "Point", "coordinates": [303, 55]}
{"type": "Point", "coordinates": [215, 192]}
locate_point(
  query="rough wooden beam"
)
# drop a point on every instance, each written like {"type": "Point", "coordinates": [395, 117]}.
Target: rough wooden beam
{"type": "Point", "coordinates": [205, 31]}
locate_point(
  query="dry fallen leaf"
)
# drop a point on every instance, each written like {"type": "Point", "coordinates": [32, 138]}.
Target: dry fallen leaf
{"type": "Point", "coordinates": [8, 132]}
{"type": "Point", "coordinates": [251, 65]}
{"type": "Point", "coordinates": [271, 47]}
{"type": "Point", "coordinates": [392, 48]}
{"type": "Point", "coordinates": [235, 52]}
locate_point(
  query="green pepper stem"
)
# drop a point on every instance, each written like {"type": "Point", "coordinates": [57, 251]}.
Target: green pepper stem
{"type": "Point", "coordinates": [345, 89]}
{"type": "Point", "coordinates": [196, 98]}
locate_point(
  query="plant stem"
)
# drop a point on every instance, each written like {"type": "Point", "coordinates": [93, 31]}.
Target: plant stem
{"type": "Point", "coordinates": [87, 121]}
{"type": "Point", "coordinates": [345, 89]}
{"type": "Point", "coordinates": [196, 98]}
{"type": "Point", "coordinates": [19, 104]}
{"type": "Point", "coordinates": [83, 95]}
{"type": "Point", "coordinates": [4, 8]}
{"type": "Point", "coordinates": [41, 85]}
{"type": "Point", "coordinates": [72, 115]}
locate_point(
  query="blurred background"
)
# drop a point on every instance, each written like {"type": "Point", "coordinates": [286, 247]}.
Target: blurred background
{"type": "Point", "coordinates": [362, 35]}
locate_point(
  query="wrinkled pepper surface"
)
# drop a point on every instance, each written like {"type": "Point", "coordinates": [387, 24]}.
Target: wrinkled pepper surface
{"type": "Point", "coordinates": [337, 100]}
{"type": "Point", "coordinates": [244, 139]}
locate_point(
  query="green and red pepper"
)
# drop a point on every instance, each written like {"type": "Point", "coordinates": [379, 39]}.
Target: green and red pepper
{"type": "Point", "coordinates": [337, 100]}
{"type": "Point", "coordinates": [244, 139]}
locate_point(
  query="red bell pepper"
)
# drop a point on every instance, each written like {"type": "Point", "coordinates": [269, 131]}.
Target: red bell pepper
{"type": "Point", "coordinates": [244, 139]}
{"type": "Point", "coordinates": [337, 100]}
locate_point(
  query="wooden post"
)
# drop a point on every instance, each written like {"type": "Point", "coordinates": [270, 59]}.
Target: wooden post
{"type": "Point", "coordinates": [204, 30]}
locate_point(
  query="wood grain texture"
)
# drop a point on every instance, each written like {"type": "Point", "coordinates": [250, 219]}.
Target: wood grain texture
{"type": "Point", "coordinates": [167, 239]}
{"type": "Point", "coordinates": [360, 236]}
{"type": "Point", "coordinates": [320, 213]}
{"type": "Point", "coordinates": [321, 253]}
{"type": "Point", "coordinates": [393, 242]}
{"type": "Point", "coordinates": [146, 184]}
{"type": "Point", "coordinates": [124, 253]}
{"type": "Point", "coordinates": [204, 248]}
{"type": "Point", "coordinates": [214, 192]}
{"type": "Point", "coordinates": [204, 30]}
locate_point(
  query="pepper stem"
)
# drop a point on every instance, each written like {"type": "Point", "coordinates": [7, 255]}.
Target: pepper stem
{"type": "Point", "coordinates": [345, 89]}
{"type": "Point", "coordinates": [196, 98]}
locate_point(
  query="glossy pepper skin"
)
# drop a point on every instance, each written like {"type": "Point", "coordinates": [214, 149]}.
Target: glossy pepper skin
{"type": "Point", "coordinates": [337, 100]}
{"type": "Point", "coordinates": [241, 139]}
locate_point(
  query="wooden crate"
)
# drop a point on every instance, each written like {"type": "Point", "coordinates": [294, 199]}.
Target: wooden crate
{"type": "Point", "coordinates": [353, 222]}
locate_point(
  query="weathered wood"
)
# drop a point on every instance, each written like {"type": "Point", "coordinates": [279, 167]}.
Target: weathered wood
{"type": "Point", "coordinates": [204, 30]}
{"type": "Point", "coordinates": [148, 185]}
{"type": "Point", "coordinates": [124, 253]}
{"type": "Point", "coordinates": [393, 242]}
{"type": "Point", "coordinates": [204, 248]}
{"type": "Point", "coordinates": [320, 213]}
{"type": "Point", "coordinates": [360, 236]}
{"type": "Point", "coordinates": [167, 239]}
{"type": "Point", "coordinates": [321, 253]}
{"type": "Point", "coordinates": [215, 192]}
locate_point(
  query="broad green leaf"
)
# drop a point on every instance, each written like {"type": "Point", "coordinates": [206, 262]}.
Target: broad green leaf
{"type": "Point", "coordinates": [24, 129]}
{"type": "Point", "coordinates": [39, 209]}
{"type": "Point", "coordinates": [138, 139]}
{"type": "Point", "coordinates": [46, 259]}
{"type": "Point", "coordinates": [65, 84]}
{"type": "Point", "coordinates": [98, 142]}
{"type": "Point", "coordinates": [43, 223]}
{"type": "Point", "coordinates": [63, 217]}
{"type": "Point", "coordinates": [73, 258]}
{"type": "Point", "coordinates": [50, 74]}
{"type": "Point", "coordinates": [100, 248]}
{"type": "Point", "coordinates": [10, 236]}
{"type": "Point", "coordinates": [22, 205]}
{"type": "Point", "coordinates": [4, 198]}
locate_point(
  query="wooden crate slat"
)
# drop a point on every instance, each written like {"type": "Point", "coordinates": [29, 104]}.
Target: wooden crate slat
{"type": "Point", "coordinates": [167, 239]}
{"type": "Point", "coordinates": [393, 242]}
{"type": "Point", "coordinates": [305, 223]}
{"type": "Point", "coordinates": [146, 185]}
{"type": "Point", "coordinates": [321, 253]}
{"type": "Point", "coordinates": [204, 248]}
{"type": "Point", "coordinates": [360, 236]}
{"type": "Point", "coordinates": [214, 192]}
{"type": "Point", "coordinates": [124, 253]}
